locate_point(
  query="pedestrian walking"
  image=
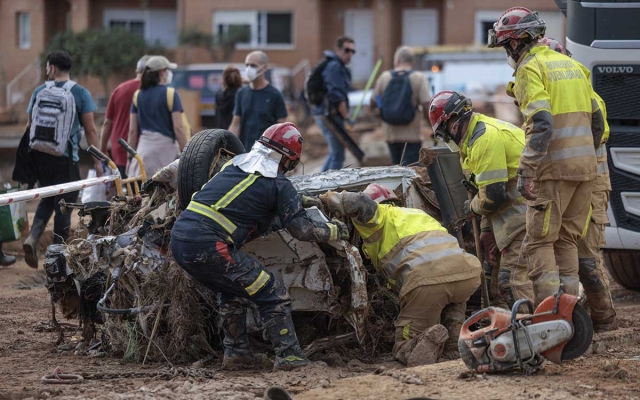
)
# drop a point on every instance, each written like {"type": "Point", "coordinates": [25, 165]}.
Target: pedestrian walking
{"type": "Point", "coordinates": [156, 128]}
{"type": "Point", "coordinates": [116, 123]}
{"type": "Point", "coordinates": [398, 95]}
{"type": "Point", "coordinates": [57, 110]}
{"type": "Point", "coordinates": [257, 106]}
{"type": "Point", "coordinates": [225, 98]}
{"type": "Point", "coordinates": [336, 81]}
{"type": "Point", "coordinates": [564, 126]}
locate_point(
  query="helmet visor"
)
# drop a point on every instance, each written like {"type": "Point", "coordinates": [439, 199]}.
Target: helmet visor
{"type": "Point", "coordinates": [492, 39]}
{"type": "Point", "coordinates": [452, 145]}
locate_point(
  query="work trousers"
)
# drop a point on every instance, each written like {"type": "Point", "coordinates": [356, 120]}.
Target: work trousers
{"type": "Point", "coordinates": [234, 274]}
{"type": "Point", "coordinates": [556, 220]}
{"type": "Point", "coordinates": [429, 305]}
{"type": "Point", "coordinates": [513, 279]}
{"type": "Point", "coordinates": [591, 266]}
{"type": "Point", "coordinates": [53, 170]}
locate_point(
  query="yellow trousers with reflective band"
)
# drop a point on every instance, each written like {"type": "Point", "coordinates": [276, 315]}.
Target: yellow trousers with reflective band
{"type": "Point", "coordinates": [591, 265]}
{"type": "Point", "coordinates": [429, 305]}
{"type": "Point", "coordinates": [556, 220]}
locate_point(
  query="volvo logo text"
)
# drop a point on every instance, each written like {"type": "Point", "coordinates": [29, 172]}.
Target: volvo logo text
{"type": "Point", "coordinates": [616, 70]}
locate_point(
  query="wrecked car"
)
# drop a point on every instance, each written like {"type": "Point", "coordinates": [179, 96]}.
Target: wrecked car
{"type": "Point", "coordinates": [122, 277]}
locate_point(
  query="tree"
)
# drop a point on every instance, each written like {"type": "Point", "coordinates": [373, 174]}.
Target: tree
{"type": "Point", "coordinates": [101, 53]}
{"type": "Point", "coordinates": [220, 48]}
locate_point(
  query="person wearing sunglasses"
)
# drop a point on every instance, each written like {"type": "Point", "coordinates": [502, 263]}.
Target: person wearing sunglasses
{"type": "Point", "coordinates": [337, 80]}
{"type": "Point", "coordinates": [491, 150]}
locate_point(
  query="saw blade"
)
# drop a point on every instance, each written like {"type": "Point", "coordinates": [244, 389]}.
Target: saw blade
{"type": "Point", "coordinates": [582, 334]}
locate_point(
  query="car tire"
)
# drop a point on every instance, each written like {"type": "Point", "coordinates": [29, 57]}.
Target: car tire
{"type": "Point", "coordinates": [197, 157]}
{"type": "Point", "coordinates": [624, 266]}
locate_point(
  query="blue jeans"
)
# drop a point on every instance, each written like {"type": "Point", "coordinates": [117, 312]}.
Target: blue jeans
{"type": "Point", "coordinates": [335, 159]}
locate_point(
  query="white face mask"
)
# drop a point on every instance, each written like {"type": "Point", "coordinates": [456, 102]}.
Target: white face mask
{"type": "Point", "coordinates": [169, 76]}
{"type": "Point", "coordinates": [252, 73]}
{"type": "Point", "coordinates": [511, 62]}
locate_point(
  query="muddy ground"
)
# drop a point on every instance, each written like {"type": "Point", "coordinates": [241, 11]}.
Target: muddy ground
{"type": "Point", "coordinates": [27, 353]}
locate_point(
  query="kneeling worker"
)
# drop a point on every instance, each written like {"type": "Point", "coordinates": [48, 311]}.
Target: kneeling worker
{"type": "Point", "coordinates": [433, 276]}
{"type": "Point", "coordinates": [491, 150]}
{"type": "Point", "coordinates": [239, 203]}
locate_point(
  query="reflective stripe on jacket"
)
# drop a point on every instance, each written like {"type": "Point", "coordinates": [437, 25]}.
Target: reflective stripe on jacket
{"type": "Point", "coordinates": [555, 98]}
{"type": "Point", "coordinates": [491, 151]}
{"type": "Point", "coordinates": [412, 249]}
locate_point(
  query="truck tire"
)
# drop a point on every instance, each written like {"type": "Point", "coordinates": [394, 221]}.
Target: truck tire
{"type": "Point", "coordinates": [624, 266]}
{"type": "Point", "coordinates": [197, 157]}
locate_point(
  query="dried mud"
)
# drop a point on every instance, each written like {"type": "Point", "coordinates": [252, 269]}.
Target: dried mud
{"type": "Point", "coordinates": [611, 371]}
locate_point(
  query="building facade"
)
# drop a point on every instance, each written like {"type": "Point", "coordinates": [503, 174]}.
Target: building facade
{"type": "Point", "coordinates": [291, 32]}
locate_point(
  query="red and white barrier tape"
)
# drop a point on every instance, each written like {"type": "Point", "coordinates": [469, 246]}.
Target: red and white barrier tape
{"type": "Point", "coordinates": [53, 190]}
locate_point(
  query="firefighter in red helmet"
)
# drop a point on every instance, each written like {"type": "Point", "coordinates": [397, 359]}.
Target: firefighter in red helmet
{"type": "Point", "coordinates": [237, 204]}
{"type": "Point", "coordinates": [422, 262]}
{"type": "Point", "coordinates": [564, 126]}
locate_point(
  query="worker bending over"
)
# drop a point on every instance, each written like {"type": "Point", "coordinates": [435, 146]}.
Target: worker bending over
{"type": "Point", "coordinates": [236, 205]}
{"type": "Point", "coordinates": [491, 150]}
{"type": "Point", "coordinates": [433, 276]}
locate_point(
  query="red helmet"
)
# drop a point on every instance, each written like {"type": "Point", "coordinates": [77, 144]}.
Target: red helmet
{"type": "Point", "coordinates": [379, 193]}
{"type": "Point", "coordinates": [285, 139]}
{"type": "Point", "coordinates": [445, 105]}
{"type": "Point", "coordinates": [555, 46]}
{"type": "Point", "coordinates": [516, 23]}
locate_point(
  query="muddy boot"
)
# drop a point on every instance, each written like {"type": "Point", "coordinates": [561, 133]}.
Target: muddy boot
{"type": "Point", "coordinates": [282, 334]}
{"type": "Point", "coordinates": [6, 260]}
{"type": "Point", "coordinates": [237, 352]}
{"type": "Point", "coordinates": [429, 346]}
{"type": "Point", "coordinates": [596, 288]}
{"type": "Point", "coordinates": [276, 393]}
{"type": "Point", "coordinates": [30, 244]}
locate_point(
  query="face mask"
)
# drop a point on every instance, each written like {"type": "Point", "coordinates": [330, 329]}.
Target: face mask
{"type": "Point", "coordinates": [169, 76]}
{"type": "Point", "coordinates": [252, 73]}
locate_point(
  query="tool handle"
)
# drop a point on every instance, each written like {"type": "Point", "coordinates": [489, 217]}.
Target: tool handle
{"type": "Point", "coordinates": [98, 154]}
{"type": "Point", "coordinates": [132, 152]}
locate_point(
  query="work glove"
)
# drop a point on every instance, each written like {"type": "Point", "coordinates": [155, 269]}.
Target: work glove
{"type": "Point", "coordinates": [340, 233]}
{"type": "Point", "coordinates": [525, 186]}
{"type": "Point", "coordinates": [467, 210]}
{"type": "Point", "coordinates": [310, 201]}
{"type": "Point", "coordinates": [332, 202]}
{"type": "Point", "coordinates": [488, 246]}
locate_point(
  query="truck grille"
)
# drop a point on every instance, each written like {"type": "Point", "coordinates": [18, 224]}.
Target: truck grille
{"type": "Point", "coordinates": [618, 90]}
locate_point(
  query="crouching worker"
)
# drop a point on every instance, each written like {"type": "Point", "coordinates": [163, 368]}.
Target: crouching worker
{"type": "Point", "coordinates": [433, 276]}
{"type": "Point", "coordinates": [491, 150]}
{"type": "Point", "coordinates": [237, 204]}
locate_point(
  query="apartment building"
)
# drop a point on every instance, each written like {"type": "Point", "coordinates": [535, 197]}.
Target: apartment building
{"type": "Point", "coordinates": [290, 31]}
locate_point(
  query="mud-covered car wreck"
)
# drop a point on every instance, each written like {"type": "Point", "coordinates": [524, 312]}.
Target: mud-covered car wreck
{"type": "Point", "coordinates": [122, 278]}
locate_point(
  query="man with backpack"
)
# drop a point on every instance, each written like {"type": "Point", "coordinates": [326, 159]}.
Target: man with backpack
{"type": "Point", "coordinates": [327, 89]}
{"type": "Point", "coordinates": [57, 109]}
{"type": "Point", "coordinates": [398, 94]}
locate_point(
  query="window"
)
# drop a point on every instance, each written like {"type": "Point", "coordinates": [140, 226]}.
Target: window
{"type": "Point", "coordinates": [254, 28]}
{"type": "Point", "coordinates": [133, 26]}
{"type": "Point", "coordinates": [24, 30]}
{"type": "Point", "coordinates": [486, 25]}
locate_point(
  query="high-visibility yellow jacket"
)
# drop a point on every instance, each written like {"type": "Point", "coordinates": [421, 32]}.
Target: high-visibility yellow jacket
{"type": "Point", "coordinates": [491, 150]}
{"type": "Point", "coordinates": [561, 117]}
{"type": "Point", "coordinates": [407, 246]}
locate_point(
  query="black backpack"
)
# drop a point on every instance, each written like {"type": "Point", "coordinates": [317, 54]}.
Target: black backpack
{"type": "Point", "coordinates": [397, 100]}
{"type": "Point", "coordinates": [314, 88]}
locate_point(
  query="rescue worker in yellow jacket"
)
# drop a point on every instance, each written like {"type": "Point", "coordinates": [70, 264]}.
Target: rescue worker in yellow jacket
{"type": "Point", "coordinates": [422, 262]}
{"type": "Point", "coordinates": [591, 266]}
{"type": "Point", "coordinates": [558, 165]}
{"type": "Point", "coordinates": [491, 150]}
